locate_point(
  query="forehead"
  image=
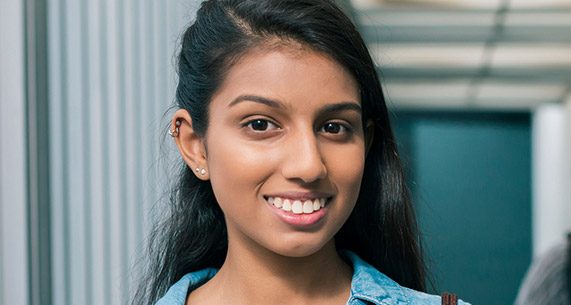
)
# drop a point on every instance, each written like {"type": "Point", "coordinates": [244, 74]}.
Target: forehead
{"type": "Point", "coordinates": [291, 73]}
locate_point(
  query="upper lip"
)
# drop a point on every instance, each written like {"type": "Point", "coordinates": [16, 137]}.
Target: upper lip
{"type": "Point", "coordinates": [296, 195]}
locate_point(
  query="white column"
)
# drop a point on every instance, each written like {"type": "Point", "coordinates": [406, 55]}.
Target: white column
{"type": "Point", "coordinates": [551, 176]}
{"type": "Point", "coordinates": [13, 224]}
{"type": "Point", "coordinates": [566, 211]}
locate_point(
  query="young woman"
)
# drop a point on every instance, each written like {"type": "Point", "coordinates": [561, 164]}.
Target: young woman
{"type": "Point", "coordinates": [291, 190]}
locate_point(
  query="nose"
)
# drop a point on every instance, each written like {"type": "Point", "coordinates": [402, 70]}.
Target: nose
{"type": "Point", "coordinates": [303, 159]}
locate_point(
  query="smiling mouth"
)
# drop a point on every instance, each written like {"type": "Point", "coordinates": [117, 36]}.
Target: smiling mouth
{"type": "Point", "coordinates": [298, 206]}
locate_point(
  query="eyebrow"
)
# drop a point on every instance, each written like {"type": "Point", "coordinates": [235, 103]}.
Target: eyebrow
{"type": "Point", "coordinates": [342, 106]}
{"type": "Point", "coordinates": [337, 107]}
{"type": "Point", "coordinates": [257, 99]}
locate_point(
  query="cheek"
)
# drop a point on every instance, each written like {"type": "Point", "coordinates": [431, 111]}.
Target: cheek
{"type": "Point", "coordinates": [236, 169]}
{"type": "Point", "coordinates": [345, 167]}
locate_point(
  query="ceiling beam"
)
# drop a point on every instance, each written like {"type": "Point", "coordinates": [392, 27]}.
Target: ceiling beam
{"type": "Point", "coordinates": [531, 74]}
{"type": "Point", "coordinates": [465, 25]}
{"type": "Point", "coordinates": [424, 34]}
{"type": "Point", "coordinates": [465, 34]}
{"type": "Point", "coordinates": [390, 10]}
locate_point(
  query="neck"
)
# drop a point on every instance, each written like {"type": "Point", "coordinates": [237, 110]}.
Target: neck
{"type": "Point", "coordinates": [252, 275]}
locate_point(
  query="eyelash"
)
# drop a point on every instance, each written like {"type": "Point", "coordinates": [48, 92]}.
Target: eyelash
{"type": "Point", "coordinates": [265, 121]}
{"type": "Point", "coordinates": [343, 128]}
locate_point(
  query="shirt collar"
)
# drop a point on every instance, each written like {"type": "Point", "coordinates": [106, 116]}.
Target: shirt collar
{"type": "Point", "coordinates": [178, 292]}
{"type": "Point", "coordinates": [369, 284]}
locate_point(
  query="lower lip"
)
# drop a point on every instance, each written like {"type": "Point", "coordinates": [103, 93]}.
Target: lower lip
{"type": "Point", "coordinates": [298, 220]}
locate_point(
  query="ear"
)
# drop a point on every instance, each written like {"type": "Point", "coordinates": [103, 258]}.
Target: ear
{"type": "Point", "coordinates": [190, 144]}
{"type": "Point", "coordinates": [369, 136]}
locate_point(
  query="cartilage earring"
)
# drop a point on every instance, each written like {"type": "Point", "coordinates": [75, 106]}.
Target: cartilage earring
{"type": "Point", "coordinates": [174, 133]}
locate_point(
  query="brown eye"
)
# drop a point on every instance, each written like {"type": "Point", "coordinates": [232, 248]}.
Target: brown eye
{"type": "Point", "coordinates": [259, 125]}
{"type": "Point", "coordinates": [334, 128]}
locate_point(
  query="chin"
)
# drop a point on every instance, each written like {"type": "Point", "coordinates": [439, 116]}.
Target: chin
{"type": "Point", "coordinates": [299, 249]}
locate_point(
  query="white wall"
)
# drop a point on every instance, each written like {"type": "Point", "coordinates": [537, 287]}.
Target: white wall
{"type": "Point", "coordinates": [13, 224]}
{"type": "Point", "coordinates": [111, 79]}
{"type": "Point", "coordinates": [551, 175]}
{"type": "Point", "coordinates": [567, 167]}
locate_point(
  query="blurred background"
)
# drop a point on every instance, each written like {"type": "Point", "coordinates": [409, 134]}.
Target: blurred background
{"type": "Point", "coordinates": [481, 97]}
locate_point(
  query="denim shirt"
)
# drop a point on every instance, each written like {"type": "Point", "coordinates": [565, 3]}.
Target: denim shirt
{"type": "Point", "coordinates": [368, 286]}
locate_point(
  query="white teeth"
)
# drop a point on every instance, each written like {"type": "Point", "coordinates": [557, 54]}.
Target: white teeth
{"type": "Point", "coordinates": [287, 205]}
{"type": "Point", "coordinates": [297, 206]}
{"type": "Point", "coordinates": [316, 205]}
{"type": "Point", "coordinates": [277, 202]}
{"type": "Point", "coordinates": [308, 207]}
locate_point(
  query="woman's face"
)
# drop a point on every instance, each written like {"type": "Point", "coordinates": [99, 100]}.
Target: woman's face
{"type": "Point", "coordinates": [285, 150]}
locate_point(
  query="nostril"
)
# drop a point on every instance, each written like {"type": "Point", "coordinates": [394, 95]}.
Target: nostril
{"type": "Point", "coordinates": [304, 160]}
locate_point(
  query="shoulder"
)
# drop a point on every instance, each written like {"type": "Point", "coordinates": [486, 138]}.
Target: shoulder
{"type": "Point", "coordinates": [176, 295]}
{"type": "Point", "coordinates": [370, 286]}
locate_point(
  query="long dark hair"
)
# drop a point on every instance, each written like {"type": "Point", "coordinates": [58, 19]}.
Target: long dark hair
{"type": "Point", "coordinates": [381, 229]}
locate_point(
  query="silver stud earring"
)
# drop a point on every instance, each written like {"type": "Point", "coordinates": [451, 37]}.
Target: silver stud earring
{"type": "Point", "coordinates": [202, 171]}
{"type": "Point", "coordinates": [174, 133]}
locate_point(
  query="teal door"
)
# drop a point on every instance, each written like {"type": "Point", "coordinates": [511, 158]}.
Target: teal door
{"type": "Point", "coordinates": [470, 175]}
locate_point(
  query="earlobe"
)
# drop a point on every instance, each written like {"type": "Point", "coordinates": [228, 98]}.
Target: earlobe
{"type": "Point", "coordinates": [190, 144]}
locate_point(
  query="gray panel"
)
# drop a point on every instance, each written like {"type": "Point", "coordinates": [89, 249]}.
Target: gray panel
{"type": "Point", "coordinates": [111, 79]}
{"type": "Point", "coordinates": [57, 33]}
{"type": "Point", "coordinates": [14, 277]}
{"type": "Point", "coordinates": [37, 152]}
{"type": "Point", "coordinates": [96, 148]}
{"type": "Point", "coordinates": [76, 190]}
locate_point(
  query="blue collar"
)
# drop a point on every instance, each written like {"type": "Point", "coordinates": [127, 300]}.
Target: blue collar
{"type": "Point", "coordinates": [367, 284]}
